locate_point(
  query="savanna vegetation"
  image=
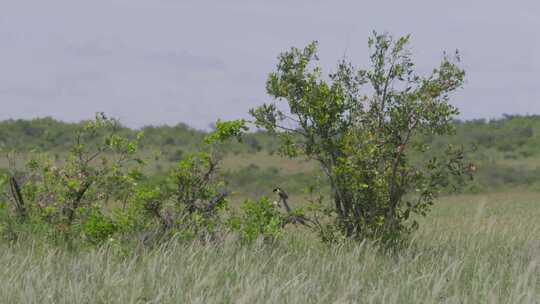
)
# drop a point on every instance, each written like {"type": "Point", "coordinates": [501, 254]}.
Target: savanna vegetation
{"type": "Point", "coordinates": [359, 186]}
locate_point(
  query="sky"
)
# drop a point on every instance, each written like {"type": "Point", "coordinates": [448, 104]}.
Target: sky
{"type": "Point", "coordinates": [194, 61]}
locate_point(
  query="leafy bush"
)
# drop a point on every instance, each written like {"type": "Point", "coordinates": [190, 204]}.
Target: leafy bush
{"type": "Point", "coordinates": [258, 219]}
{"type": "Point", "coordinates": [57, 194]}
{"type": "Point", "coordinates": [98, 227]}
{"type": "Point", "coordinates": [189, 201]}
{"type": "Point", "coordinates": [362, 137]}
{"type": "Point", "coordinates": [99, 189]}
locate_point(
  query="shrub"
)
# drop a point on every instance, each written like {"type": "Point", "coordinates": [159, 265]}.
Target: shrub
{"type": "Point", "coordinates": [57, 194]}
{"type": "Point", "coordinates": [361, 125]}
{"type": "Point", "coordinates": [99, 189]}
{"type": "Point", "coordinates": [188, 204]}
{"type": "Point", "coordinates": [98, 227]}
{"type": "Point", "coordinates": [258, 219]}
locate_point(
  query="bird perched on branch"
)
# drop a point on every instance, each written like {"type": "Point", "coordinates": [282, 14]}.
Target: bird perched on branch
{"type": "Point", "coordinates": [292, 218]}
{"type": "Point", "coordinates": [283, 198]}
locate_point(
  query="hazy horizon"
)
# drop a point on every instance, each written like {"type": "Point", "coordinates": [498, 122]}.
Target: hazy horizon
{"type": "Point", "coordinates": [164, 62]}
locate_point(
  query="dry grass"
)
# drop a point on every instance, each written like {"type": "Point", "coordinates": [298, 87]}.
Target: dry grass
{"type": "Point", "coordinates": [473, 249]}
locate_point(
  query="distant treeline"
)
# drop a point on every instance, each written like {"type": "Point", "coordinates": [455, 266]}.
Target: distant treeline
{"type": "Point", "coordinates": [48, 134]}
{"type": "Point", "coordinates": [506, 150]}
{"type": "Point", "coordinates": [513, 135]}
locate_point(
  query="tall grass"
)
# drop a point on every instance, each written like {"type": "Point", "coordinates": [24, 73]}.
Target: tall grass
{"type": "Point", "coordinates": [473, 249]}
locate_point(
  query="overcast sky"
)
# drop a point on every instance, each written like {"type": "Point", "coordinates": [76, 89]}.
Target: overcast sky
{"type": "Point", "coordinates": [193, 61]}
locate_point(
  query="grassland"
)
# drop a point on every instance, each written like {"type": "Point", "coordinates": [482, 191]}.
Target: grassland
{"type": "Point", "coordinates": [471, 249]}
{"type": "Point", "coordinates": [476, 248]}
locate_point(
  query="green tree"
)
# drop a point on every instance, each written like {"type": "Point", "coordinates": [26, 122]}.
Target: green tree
{"type": "Point", "coordinates": [360, 125]}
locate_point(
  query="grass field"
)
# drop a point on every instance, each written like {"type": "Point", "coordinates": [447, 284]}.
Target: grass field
{"type": "Point", "coordinates": [471, 249]}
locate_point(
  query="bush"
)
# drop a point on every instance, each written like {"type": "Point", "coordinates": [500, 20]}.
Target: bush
{"type": "Point", "coordinates": [56, 194]}
{"type": "Point", "coordinates": [258, 219]}
{"type": "Point", "coordinates": [98, 190]}
{"type": "Point", "coordinates": [189, 201]}
{"type": "Point", "coordinates": [98, 227]}
{"type": "Point", "coordinates": [360, 125]}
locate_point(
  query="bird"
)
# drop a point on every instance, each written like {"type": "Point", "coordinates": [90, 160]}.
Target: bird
{"type": "Point", "coordinates": [471, 168]}
{"type": "Point", "coordinates": [283, 197]}
{"type": "Point", "coordinates": [292, 218]}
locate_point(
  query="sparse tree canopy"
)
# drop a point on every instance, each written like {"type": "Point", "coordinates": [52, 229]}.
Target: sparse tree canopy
{"type": "Point", "coordinates": [360, 125]}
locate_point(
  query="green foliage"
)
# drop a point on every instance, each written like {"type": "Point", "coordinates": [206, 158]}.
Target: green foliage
{"type": "Point", "coordinates": [225, 130]}
{"type": "Point", "coordinates": [57, 194]}
{"type": "Point", "coordinates": [510, 137]}
{"type": "Point", "coordinates": [98, 227]}
{"type": "Point", "coordinates": [44, 133]}
{"type": "Point", "coordinates": [189, 202]}
{"type": "Point", "coordinates": [3, 182]}
{"type": "Point", "coordinates": [258, 219]}
{"type": "Point", "coordinates": [385, 138]}
{"type": "Point", "coordinates": [99, 188]}
{"type": "Point", "coordinates": [360, 126]}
